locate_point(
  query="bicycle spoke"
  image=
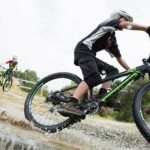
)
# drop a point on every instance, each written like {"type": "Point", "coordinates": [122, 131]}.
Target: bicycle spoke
{"type": "Point", "coordinates": [41, 110]}
{"type": "Point", "coordinates": [145, 107]}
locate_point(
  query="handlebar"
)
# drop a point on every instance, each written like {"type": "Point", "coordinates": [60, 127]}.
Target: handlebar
{"type": "Point", "coordinates": [3, 67]}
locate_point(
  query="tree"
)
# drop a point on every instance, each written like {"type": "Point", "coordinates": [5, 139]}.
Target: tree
{"type": "Point", "coordinates": [29, 75]}
{"type": "Point", "coordinates": [126, 97]}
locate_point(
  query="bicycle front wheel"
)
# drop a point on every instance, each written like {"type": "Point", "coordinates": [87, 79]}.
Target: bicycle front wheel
{"type": "Point", "coordinates": [42, 110]}
{"type": "Point", "coordinates": [7, 84]}
{"type": "Point", "coordinates": [141, 110]}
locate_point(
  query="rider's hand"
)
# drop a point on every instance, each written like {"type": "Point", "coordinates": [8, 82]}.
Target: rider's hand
{"type": "Point", "coordinates": [148, 31]}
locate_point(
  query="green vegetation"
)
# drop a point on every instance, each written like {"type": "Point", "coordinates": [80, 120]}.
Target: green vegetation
{"type": "Point", "coordinates": [27, 75]}
{"type": "Point", "coordinates": [126, 97]}
{"type": "Point", "coordinates": [30, 75]}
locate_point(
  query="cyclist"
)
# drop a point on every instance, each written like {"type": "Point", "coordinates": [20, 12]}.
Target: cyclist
{"type": "Point", "coordinates": [102, 38]}
{"type": "Point", "coordinates": [12, 65]}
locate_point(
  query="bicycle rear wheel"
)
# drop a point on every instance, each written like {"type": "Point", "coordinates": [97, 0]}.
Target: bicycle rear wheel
{"type": "Point", "coordinates": [41, 110]}
{"type": "Point", "coordinates": [7, 84]}
{"type": "Point", "coordinates": [141, 110]}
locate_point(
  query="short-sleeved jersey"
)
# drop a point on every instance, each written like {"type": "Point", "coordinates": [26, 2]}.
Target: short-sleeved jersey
{"type": "Point", "coordinates": [97, 39]}
{"type": "Point", "coordinates": [12, 64]}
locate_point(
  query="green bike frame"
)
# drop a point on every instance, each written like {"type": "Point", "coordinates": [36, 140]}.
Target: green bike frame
{"type": "Point", "coordinates": [131, 74]}
{"type": "Point", "coordinates": [3, 77]}
{"type": "Point", "coordinates": [6, 80]}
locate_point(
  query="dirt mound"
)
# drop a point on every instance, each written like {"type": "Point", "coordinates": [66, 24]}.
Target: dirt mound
{"type": "Point", "coordinates": [6, 116]}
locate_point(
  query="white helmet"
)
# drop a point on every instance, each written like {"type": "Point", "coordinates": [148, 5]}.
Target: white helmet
{"type": "Point", "coordinates": [14, 57]}
{"type": "Point", "coordinates": [121, 13]}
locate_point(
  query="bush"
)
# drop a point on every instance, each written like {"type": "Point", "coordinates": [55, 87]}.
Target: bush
{"type": "Point", "coordinates": [126, 97]}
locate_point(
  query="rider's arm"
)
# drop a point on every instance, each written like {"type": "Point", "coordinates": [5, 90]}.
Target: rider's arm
{"type": "Point", "coordinates": [8, 62]}
{"type": "Point", "coordinates": [16, 68]}
{"type": "Point", "coordinates": [123, 63]}
{"type": "Point", "coordinates": [132, 26]}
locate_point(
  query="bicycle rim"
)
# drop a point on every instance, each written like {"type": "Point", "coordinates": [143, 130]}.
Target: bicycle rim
{"type": "Point", "coordinates": [141, 110]}
{"type": "Point", "coordinates": [43, 113]}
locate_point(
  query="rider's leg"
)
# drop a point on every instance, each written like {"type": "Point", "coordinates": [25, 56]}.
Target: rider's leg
{"type": "Point", "coordinates": [106, 85]}
{"type": "Point", "coordinates": [72, 107]}
{"type": "Point", "coordinates": [91, 78]}
{"type": "Point", "coordinates": [109, 71]}
{"type": "Point", "coordinates": [104, 88]}
{"type": "Point", "coordinates": [94, 77]}
{"type": "Point", "coordinates": [81, 90]}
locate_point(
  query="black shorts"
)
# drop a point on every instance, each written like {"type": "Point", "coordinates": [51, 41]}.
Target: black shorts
{"type": "Point", "coordinates": [82, 52]}
{"type": "Point", "coordinates": [96, 66]}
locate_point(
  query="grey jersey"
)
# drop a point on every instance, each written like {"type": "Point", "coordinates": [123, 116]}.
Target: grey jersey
{"type": "Point", "coordinates": [97, 40]}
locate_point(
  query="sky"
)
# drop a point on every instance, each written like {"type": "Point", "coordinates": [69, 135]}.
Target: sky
{"type": "Point", "coordinates": [44, 33]}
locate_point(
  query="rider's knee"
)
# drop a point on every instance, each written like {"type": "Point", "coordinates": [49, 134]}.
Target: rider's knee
{"type": "Point", "coordinates": [93, 79]}
{"type": "Point", "coordinates": [112, 71]}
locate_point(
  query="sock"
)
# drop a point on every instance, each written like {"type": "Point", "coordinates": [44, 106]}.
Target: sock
{"type": "Point", "coordinates": [102, 92]}
{"type": "Point", "coordinates": [73, 99]}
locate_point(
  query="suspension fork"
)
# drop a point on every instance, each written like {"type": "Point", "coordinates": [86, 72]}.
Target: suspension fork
{"type": "Point", "coordinates": [3, 79]}
{"type": "Point", "coordinates": [4, 76]}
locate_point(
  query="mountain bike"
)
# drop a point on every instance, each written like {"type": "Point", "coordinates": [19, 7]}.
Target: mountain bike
{"type": "Point", "coordinates": [45, 99]}
{"type": "Point", "coordinates": [6, 79]}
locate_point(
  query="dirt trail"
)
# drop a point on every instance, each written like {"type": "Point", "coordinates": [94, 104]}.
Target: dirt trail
{"type": "Point", "coordinates": [90, 134]}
